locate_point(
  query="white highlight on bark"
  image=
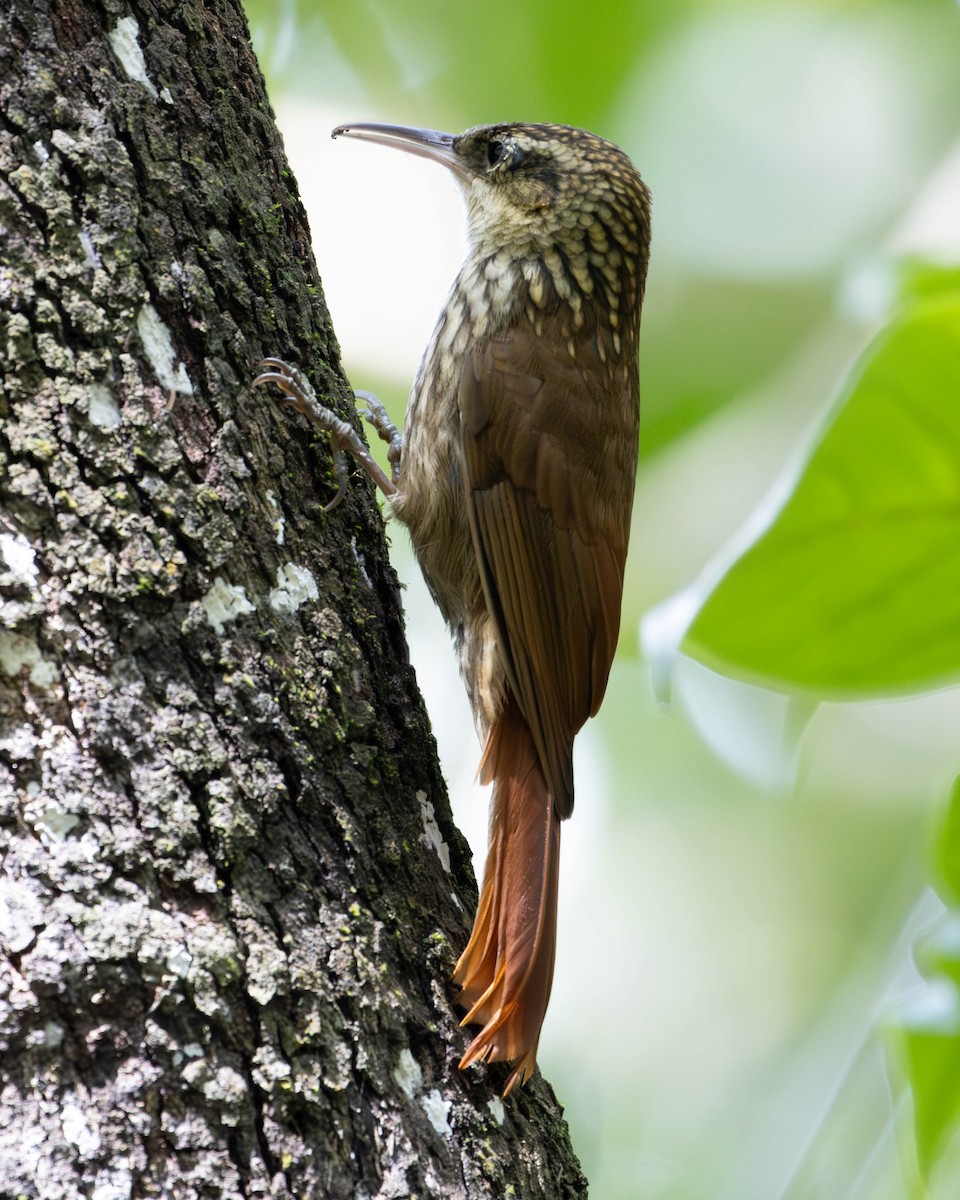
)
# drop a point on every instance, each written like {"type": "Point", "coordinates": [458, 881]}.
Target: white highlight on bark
{"type": "Point", "coordinates": [361, 564]}
{"type": "Point", "coordinates": [266, 964]}
{"type": "Point", "coordinates": [21, 915]}
{"type": "Point", "coordinates": [438, 1111]}
{"type": "Point", "coordinates": [113, 1183]}
{"type": "Point", "coordinates": [17, 652]}
{"type": "Point", "coordinates": [103, 411]}
{"type": "Point", "coordinates": [125, 43]}
{"type": "Point", "coordinates": [295, 586]}
{"type": "Point", "coordinates": [408, 1075]}
{"type": "Point", "coordinates": [76, 1130]}
{"type": "Point", "coordinates": [225, 602]}
{"type": "Point", "coordinates": [227, 1087]}
{"type": "Point", "coordinates": [158, 346]}
{"type": "Point", "coordinates": [179, 962]}
{"type": "Point", "coordinates": [431, 835]}
{"type": "Point", "coordinates": [93, 258]}
{"type": "Point", "coordinates": [53, 823]}
{"type": "Point", "coordinates": [63, 142]}
{"type": "Point", "coordinates": [497, 1111]}
{"type": "Point", "coordinates": [279, 521]}
{"type": "Point", "coordinates": [53, 1033]}
{"type": "Point", "coordinates": [41, 151]}
{"type": "Point", "coordinates": [19, 556]}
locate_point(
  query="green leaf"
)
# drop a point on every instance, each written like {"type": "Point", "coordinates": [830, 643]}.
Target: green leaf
{"type": "Point", "coordinates": [855, 586]}
{"type": "Point", "coordinates": [931, 1061]}
{"type": "Point", "coordinates": [919, 279]}
{"type": "Point", "coordinates": [926, 1038]}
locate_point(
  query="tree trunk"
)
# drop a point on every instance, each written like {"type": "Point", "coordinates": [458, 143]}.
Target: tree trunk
{"type": "Point", "coordinates": [232, 892]}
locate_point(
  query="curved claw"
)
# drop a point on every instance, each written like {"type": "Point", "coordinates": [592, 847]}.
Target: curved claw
{"type": "Point", "coordinates": [270, 377]}
{"type": "Point", "coordinates": [298, 393]}
{"type": "Point", "coordinates": [274, 370]}
{"type": "Point", "coordinates": [376, 414]}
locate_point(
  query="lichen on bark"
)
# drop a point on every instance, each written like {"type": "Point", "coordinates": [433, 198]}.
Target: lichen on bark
{"type": "Point", "coordinates": [226, 928]}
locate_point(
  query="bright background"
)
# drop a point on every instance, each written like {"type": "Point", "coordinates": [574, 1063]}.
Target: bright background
{"type": "Point", "coordinates": [745, 875]}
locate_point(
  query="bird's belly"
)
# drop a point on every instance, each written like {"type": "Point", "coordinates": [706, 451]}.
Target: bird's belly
{"type": "Point", "coordinates": [431, 504]}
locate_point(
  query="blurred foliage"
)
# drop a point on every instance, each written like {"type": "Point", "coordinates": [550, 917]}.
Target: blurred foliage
{"type": "Point", "coordinates": [855, 587]}
{"type": "Point", "coordinates": [926, 1039]}
{"type": "Point", "coordinates": [751, 937]}
{"type": "Point", "coordinates": [488, 62]}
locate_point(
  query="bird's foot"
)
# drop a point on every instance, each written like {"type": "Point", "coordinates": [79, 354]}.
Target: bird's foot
{"type": "Point", "coordinates": [346, 441]}
{"type": "Point", "coordinates": [377, 416]}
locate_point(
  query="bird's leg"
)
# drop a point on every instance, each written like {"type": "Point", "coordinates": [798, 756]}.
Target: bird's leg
{"type": "Point", "coordinates": [378, 417]}
{"type": "Point", "coordinates": [298, 392]}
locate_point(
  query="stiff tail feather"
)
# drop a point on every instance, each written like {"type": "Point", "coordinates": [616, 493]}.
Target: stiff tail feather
{"type": "Point", "coordinates": [506, 971]}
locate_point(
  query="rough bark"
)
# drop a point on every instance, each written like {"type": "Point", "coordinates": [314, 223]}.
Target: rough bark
{"type": "Point", "coordinates": [229, 894]}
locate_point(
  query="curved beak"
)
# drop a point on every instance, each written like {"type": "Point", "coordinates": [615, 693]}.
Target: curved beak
{"type": "Point", "coordinates": [426, 143]}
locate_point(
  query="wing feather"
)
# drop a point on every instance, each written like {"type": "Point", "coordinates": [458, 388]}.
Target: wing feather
{"type": "Point", "coordinates": [549, 472]}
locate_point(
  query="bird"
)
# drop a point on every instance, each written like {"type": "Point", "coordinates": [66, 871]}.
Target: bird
{"type": "Point", "coordinates": [514, 475]}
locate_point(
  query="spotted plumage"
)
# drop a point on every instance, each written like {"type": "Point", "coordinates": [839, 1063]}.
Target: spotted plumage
{"type": "Point", "coordinates": [516, 481]}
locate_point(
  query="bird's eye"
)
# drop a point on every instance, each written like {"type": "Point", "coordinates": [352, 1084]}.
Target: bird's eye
{"type": "Point", "coordinates": [505, 155]}
{"type": "Point", "coordinates": [495, 153]}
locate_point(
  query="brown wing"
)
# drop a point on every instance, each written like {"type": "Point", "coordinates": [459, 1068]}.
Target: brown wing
{"type": "Point", "coordinates": [549, 448]}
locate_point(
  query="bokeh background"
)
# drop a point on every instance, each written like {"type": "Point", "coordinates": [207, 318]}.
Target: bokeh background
{"type": "Point", "coordinates": [746, 874]}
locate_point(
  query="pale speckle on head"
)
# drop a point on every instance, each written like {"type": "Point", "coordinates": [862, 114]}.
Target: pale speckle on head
{"type": "Point", "coordinates": [561, 207]}
{"type": "Point", "coordinates": [516, 482]}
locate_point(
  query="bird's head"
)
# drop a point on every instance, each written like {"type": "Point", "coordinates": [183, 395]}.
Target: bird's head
{"type": "Point", "coordinates": [534, 187]}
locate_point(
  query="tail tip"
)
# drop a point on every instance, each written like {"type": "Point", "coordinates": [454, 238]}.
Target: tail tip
{"type": "Point", "coordinates": [482, 1050]}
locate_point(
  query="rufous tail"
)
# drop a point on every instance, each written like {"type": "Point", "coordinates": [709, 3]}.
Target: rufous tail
{"type": "Point", "coordinates": [506, 970]}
